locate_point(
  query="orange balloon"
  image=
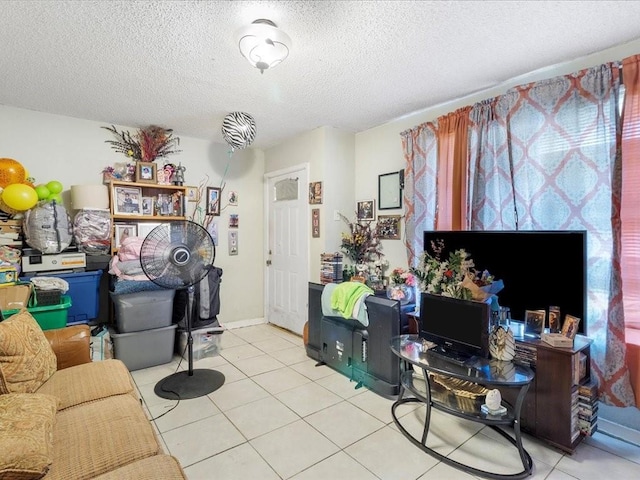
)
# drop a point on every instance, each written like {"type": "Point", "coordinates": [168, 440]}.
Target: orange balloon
{"type": "Point", "coordinates": [11, 171]}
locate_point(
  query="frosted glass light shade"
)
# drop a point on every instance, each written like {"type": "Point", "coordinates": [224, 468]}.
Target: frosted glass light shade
{"type": "Point", "coordinates": [263, 44]}
{"type": "Point", "coordinates": [89, 196]}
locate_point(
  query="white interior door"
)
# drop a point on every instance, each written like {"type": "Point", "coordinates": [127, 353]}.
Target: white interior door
{"type": "Point", "coordinates": [287, 254]}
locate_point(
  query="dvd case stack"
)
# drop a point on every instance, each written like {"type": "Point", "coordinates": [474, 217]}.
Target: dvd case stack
{"type": "Point", "coordinates": [526, 354]}
{"type": "Point", "coordinates": [330, 268]}
{"type": "Point", "coordinates": [588, 408]}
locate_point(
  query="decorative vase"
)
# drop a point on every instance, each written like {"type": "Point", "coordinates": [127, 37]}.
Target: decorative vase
{"type": "Point", "coordinates": [402, 292]}
{"type": "Point", "coordinates": [502, 345]}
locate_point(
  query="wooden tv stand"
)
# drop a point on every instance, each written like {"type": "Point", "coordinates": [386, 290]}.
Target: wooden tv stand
{"type": "Point", "coordinates": [547, 411]}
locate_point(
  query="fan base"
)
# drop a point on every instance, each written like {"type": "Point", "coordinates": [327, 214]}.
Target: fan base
{"type": "Point", "coordinates": [182, 386]}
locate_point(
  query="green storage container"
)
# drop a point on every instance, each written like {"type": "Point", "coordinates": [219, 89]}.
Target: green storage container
{"type": "Point", "coordinates": [50, 316]}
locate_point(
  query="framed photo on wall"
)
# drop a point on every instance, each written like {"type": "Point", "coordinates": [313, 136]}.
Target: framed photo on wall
{"type": "Point", "coordinates": [213, 201]}
{"type": "Point", "coordinates": [127, 200]}
{"type": "Point", "coordinates": [390, 190]}
{"type": "Point", "coordinates": [366, 210]}
{"type": "Point", "coordinates": [146, 172]}
{"type": "Point", "coordinates": [315, 193]}
{"type": "Point", "coordinates": [315, 223]}
{"type": "Point", "coordinates": [388, 227]}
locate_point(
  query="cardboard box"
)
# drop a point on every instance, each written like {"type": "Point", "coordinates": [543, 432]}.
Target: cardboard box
{"type": "Point", "coordinates": [557, 340]}
{"type": "Point", "coordinates": [14, 297]}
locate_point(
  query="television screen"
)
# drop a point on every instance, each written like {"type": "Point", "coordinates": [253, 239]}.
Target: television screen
{"type": "Point", "coordinates": [458, 327]}
{"type": "Point", "coordinates": [539, 268]}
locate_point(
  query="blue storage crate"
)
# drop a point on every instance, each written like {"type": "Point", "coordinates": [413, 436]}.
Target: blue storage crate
{"type": "Point", "coordinates": [84, 292]}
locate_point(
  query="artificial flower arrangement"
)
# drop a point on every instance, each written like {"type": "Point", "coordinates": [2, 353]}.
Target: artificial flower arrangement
{"type": "Point", "coordinates": [361, 244]}
{"type": "Point", "coordinates": [400, 276]}
{"type": "Point", "coordinates": [146, 145]}
{"type": "Point", "coordinates": [454, 277]}
{"type": "Point", "coordinates": [402, 285]}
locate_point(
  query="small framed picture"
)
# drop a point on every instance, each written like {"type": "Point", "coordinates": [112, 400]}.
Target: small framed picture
{"type": "Point", "coordinates": [192, 194]}
{"type": "Point", "coordinates": [213, 201]}
{"type": "Point", "coordinates": [554, 319]}
{"type": "Point", "coordinates": [145, 228]}
{"type": "Point", "coordinates": [315, 222]}
{"type": "Point", "coordinates": [147, 205]}
{"type": "Point", "coordinates": [127, 200]}
{"type": "Point", "coordinates": [570, 326]}
{"type": "Point", "coordinates": [234, 220]}
{"type": "Point", "coordinates": [233, 198]}
{"type": "Point", "coordinates": [233, 242]}
{"type": "Point", "coordinates": [124, 230]}
{"type": "Point", "coordinates": [366, 210]}
{"type": "Point", "coordinates": [315, 193]}
{"type": "Point", "coordinates": [534, 322]}
{"type": "Point", "coordinates": [388, 227]}
{"type": "Point", "coordinates": [146, 172]}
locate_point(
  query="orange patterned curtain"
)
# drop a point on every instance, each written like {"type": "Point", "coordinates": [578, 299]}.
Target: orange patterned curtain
{"type": "Point", "coordinates": [630, 215]}
{"type": "Point", "coordinates": [453, 164]}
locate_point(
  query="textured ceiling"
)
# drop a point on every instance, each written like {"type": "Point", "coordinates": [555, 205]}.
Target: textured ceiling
{"type": "Point", "coordinates": [354, 64]}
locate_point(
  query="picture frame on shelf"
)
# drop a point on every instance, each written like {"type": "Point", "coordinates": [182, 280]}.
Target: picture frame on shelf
{"type": "Point", "coordinates": [127, 200]}
{"type": "Point", "coordinates": [146, 172]}
{"type": "Point", "coordinates": [213, 201]}
{"type": "Point", "coordinates": [124, 230]}
{"type": "Point", "coordinates": [366, 210]}
{"type": "Point", "coordinates": [147, 205]}
{"type": "Point", "coordinates": [570, 326]}
{"type": "Point", "coordinates": [390, 190]}
{"type": "Point", "coordinates": [388, 227]}
{"type": "Point", "coordinates": [145, 228]}
{"type": "Point", "coordinates": [534, 322]}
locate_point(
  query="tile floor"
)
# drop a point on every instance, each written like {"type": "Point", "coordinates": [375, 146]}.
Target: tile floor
{"type": "Point", "coordinates": [278, 416]}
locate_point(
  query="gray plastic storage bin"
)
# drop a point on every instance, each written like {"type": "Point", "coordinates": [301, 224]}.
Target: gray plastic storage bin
{"type": "Point", "coordinates": [143, 310]}
{"type": "Point", "coordinates": [146, 348]}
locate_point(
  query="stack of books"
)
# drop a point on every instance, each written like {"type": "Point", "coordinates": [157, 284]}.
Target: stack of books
{"type": "Point", "coordinates": [588, 408]}
{"type": "Point", "coordinates": [11, 233]}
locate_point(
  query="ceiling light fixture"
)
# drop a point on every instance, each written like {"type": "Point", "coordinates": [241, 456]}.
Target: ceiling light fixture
{"type": "Point", "coordinates": [263, 44]}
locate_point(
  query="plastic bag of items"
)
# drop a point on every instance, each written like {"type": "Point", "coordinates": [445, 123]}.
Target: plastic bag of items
{"type": "Point", "coordinates": [92, 231]}
{"type": "Point", "coordinates": [47, 227]}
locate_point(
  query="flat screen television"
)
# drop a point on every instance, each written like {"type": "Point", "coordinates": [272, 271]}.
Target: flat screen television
{"type": "Point", "coordinates": [539, 268]}
{"type": "Point", "coordinates": [459, 328]}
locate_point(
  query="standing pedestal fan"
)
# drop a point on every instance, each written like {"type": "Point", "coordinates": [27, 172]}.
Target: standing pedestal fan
{"type": "Point", "coordinates": [178, 255]}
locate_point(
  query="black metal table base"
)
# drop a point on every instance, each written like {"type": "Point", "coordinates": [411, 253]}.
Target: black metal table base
{"type": "Point", "coordinates": [527, 462]}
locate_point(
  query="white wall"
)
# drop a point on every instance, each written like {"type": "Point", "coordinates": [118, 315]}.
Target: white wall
{"type": "Point", "coordinates": [74, 151]}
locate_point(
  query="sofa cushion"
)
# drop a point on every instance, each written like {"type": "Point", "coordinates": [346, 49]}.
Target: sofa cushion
{"type": "Point", "coordinates": [26, 427]}
{"type": "Point", "coordinates": [97, 437]}
{"type": "Point", "coordinates": [158, 467]}
{"type": "Point", "coordinates": [89, 382]}
{"type": "Point", "coordinates": [26, 358]}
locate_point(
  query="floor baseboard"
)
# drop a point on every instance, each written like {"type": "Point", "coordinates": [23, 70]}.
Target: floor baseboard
{"type": "Point", "coordinates": [618, 431]}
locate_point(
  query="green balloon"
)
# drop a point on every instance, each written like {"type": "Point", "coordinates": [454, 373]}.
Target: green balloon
{"type": "Point", "coordinates": [54, 186]}
{"type": "Point", "coordinates": [55, 196]}
{"type": "Point", "coordinates": [42, 191]}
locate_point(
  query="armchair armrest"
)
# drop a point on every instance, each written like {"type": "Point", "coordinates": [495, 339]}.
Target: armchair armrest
{"type": "Point", "coordinates": [70, 344]}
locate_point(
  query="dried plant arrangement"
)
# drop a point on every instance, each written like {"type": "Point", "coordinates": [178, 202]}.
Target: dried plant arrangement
{"type": "Point", "coordinates": [146, 145]}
